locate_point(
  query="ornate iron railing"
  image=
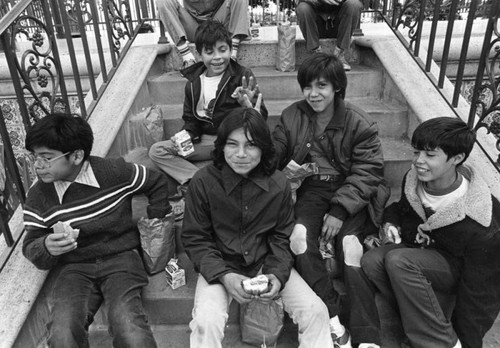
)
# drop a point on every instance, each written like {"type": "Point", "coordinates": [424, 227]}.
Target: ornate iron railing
{"type": "Point", "coordinates": [29, 33]}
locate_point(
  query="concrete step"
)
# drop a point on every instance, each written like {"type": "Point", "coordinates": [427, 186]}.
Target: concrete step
{"type": "Point", "coordinates": [392, 119]}
{"type": "Point", "coordinates": [168, 88]}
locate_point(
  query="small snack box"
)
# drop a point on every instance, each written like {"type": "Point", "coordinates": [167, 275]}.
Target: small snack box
{"type": "Point", "coordinates": [184, 143]}
{"type": "Point", "coordinates": [176, 276]}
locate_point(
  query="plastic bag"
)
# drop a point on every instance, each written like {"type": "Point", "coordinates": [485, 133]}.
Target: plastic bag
{"type": "Point", "coordinates": [261, 321]}
{"type": "Point", "coordinates": [157, 242]}
{"type": "Point", "coordinates": [285, 57]}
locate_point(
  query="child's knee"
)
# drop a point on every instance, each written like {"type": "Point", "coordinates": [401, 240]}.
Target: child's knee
{"type": "Point", "coordinates": [298, 239]}
{"type": "Point", "coordinates": [353, 251]}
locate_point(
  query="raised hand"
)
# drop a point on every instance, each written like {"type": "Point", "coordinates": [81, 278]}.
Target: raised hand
{"type": "Point", "coordinates": [248, 88]}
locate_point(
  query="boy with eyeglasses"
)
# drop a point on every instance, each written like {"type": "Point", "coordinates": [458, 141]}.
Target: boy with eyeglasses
{"type": "Point", "coordinates": [215, 86]}
{"type": "Point", "coordinates": [78, 221]}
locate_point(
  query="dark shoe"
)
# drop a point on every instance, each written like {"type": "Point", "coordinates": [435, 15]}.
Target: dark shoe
{"type": "Point", "coordinates": [339, 53]}
{"type": "Point", "coordinates": [343, 341]}
{"type": "Point", "coordinates": [318, 49]}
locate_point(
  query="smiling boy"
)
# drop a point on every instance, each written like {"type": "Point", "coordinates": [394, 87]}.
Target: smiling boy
{"type": "Point", "coordinates": [215, 86]}
{"type": "Point", "coordinates": [239, 217]}
{"type": "Point", "coordinates": [448, 223]}
{"type": "Point", "coordinates": [336, 204]}
{"type": "Point", "coordinates": [95, 252]}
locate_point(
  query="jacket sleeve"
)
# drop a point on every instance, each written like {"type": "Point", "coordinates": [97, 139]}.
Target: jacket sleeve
{"type": "Point", "coordinates": [280, 140]}
{"type": "Point", "coordinates": [366, 174]}
{"type": "Point", "coordinates": [279, 260]}
{"type": "Point", "coordinates": [198, 234]}
{"type": "Point", "coordinates": [34, 240]}
{"type": "Point", "coordinates": [478, 294]}
{"type": "Point", "coordinates": [155, 187]}
{"type": "Point", "coordinates": [191, 123]}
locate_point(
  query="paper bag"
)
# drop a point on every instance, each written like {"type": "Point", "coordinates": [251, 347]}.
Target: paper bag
{"type": "Point", "coordinates": [261, 322]}
{"type": "Point", "coordinates": [157, 242]}
{"type": "Point", "coordinates": [285, 57]}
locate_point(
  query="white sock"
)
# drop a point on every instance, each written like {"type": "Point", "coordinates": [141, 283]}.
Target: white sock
{"type": "Point", "coordinates": [458, 344]}
{"type": "Point", "coordinates": [368, 345]}
{"type": "Point", "coordinates": [183, 49]}
{"type": "Point", "coordinates": [235, 42]}
{"type": "Point", "coordinates": [336, 327]}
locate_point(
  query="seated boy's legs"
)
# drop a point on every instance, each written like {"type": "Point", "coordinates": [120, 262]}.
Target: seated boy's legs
{"type": "Point", "coordinates": [234, 15]}
{"type": "Point", "coordinates": [122, 278]}
{"type": "Point", "coordinates": [313, 202]}
{"type": "Point", "coordinates": [373, 265]}
{"type": "Point", "coordinates": [308, 311]}
{"type": "Point", "coordinates": [164, 155]}
{"type": "Point", "coordinates": [73, 302]}
{"type": "Point", "coordinates": [363, 314]}
{"type": "Point", "coordinates": [178, 22]}
{"type": "Point", "coordinates": [79, 291]}
{"type": "Point", "coordinates": [416, 275]}
{"type": "Point", "coordinates": [311, 25]}
{"type": "Point", "coordinates": [346, 19]}
{"type": "Point", "coordinates": [210, 314]}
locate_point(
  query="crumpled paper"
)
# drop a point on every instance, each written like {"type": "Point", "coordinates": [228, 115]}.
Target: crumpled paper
{"type": "Point", "coordinates": [297, 173]}
{"type": "Point", "coordinates": [285, 57]}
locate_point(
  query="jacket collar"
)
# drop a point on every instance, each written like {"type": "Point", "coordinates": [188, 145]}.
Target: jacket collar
{"type": "Point", "coordinates": [231, 179]}
{"type": "Point", "coordinates": [194, 71]}
{"type": "Point", "coordinates": [339, 114]}
{"type": "Point", "coordinates": [476, 204]}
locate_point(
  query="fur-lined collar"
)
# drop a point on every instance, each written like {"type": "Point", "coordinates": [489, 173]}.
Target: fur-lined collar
{"type": "Point", "coordinates": [476, 204]}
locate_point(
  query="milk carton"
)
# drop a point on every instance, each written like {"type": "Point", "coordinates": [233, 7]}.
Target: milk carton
{"type": "Point", "coordinates": [184, 143]}
{"type": "Point", "coordinates": [176, 276]}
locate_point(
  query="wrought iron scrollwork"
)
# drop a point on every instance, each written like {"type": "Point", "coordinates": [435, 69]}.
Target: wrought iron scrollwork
{"type": "Point", "coordinates": [119, 18]}
{"type": "Point", "coordinates": [488, 103]}
{"type": "Point", "coordinates": [39, 74]}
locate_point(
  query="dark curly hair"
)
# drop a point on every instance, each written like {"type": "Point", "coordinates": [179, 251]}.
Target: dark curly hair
{"type": "Point", "coordinates": [253, 124]}
{"type": "Point", "coordinates": [61, 132]}
{"type": "Point", "coordinates": [208, 33]}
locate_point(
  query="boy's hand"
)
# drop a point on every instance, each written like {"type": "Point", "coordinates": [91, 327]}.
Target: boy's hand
{"type": "Point", "coordinates": [249, 89]}
{"type": "Point", "coordinates": [247, 103]}
{"type": "Point", "coordinates": [59, 243]}
{"type": "Point", "coordinates": [331, 227]}
{"type": "Point", "coordinates": [274, 289]}
{"type": "Point", "coordinates": [232, 283]}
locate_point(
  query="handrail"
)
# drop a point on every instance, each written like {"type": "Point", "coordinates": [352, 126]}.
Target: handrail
{"type": "Point", "coordinates": [15, 12]}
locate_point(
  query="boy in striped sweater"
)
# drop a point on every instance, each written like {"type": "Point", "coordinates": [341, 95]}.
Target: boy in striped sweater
{"type": "Point", "coordinates": [78, 219]}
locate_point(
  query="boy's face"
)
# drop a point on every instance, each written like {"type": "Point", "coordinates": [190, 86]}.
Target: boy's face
{"type": "Point", "coordinates": [216, 58]}
{"type": "Point", "coordinates": [319, 94]}
{"type": "Point", "coordinates": [58, 166]}
{"type": "Point", "coordinates": [240, 153]}
{"type": "Point", "coordinates": [435, 168]}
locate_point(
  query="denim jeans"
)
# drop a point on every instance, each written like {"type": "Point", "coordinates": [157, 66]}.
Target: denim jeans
{"type": "Point", "coordinates": [164, 155]}
{"type": "Point", "coordinates": [211, 306]}
{"type": "Point", "coordinates": [81, 288]}
{"type": "Point", "coordinates": [313, 202]}
{"type": "Point", "coordinates": [420, 283]}
{"type": "Point", "coordinates": [180, 23]}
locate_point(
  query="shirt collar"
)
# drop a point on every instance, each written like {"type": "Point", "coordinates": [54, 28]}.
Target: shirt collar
{"type": "Point", "coordinates": [231, 179]}
{"type": "Point", "coordinates": [85, 177]}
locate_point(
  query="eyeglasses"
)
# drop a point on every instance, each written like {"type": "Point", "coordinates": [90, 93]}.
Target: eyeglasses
{"type": "Point", "coordinates": [44, 162]}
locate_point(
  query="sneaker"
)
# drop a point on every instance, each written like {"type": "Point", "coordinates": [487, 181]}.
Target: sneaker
{"type": "Point", "coordinates": [341, 56]}
{"type": "Point", "coordinates": [343, 341]}
{"type": "Point", "coordinates": [188, 63]}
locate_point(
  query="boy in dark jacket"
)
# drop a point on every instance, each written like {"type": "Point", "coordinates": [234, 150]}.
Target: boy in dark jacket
{"type": "Point", "coordinates": [344, 199]}
{"type": "Point", "coordinates": [182, 18]}
{"type": "Point", "coordinates": [78, 222]}
{"type": "Point", "coordinates": [215, 86]}
{"type": "Point", "coordinates": [448, 222]}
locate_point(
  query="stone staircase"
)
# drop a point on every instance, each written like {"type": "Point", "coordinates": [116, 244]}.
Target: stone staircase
{"type": "Point", "coordinates": [169, 310]}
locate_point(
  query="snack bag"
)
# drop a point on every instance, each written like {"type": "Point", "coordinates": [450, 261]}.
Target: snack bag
{"type": "Point", "coordinates": [285, 57]}
{"type": "Point", "coordinates": [157, 242]}
{"type": "Point", "coordinates": [261, 321]}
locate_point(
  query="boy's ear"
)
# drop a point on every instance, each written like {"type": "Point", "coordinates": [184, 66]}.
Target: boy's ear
{"type": "Point", "coordinates": [458, 158]}
{"type": "Point", "coordinates": [78, 156]}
